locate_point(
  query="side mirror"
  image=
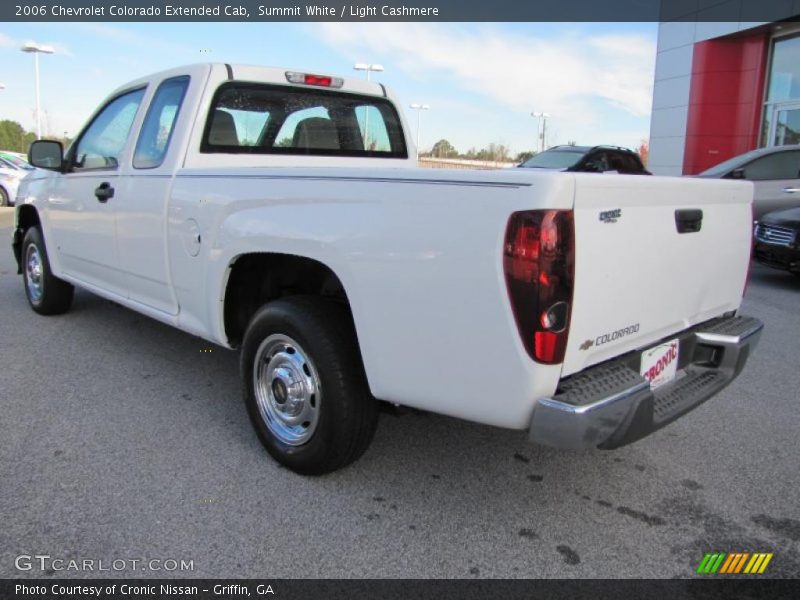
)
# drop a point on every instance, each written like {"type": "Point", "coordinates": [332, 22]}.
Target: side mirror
{"type": "Point", "coordinates": [47, 154]}
{"type": "Point", "coordinates": [737, 173]}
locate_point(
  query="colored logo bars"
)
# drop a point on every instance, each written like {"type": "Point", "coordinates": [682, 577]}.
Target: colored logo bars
{"type": "Point", "coordinates": [734, 563]}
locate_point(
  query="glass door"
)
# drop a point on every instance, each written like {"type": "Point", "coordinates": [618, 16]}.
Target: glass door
{"type": "Point", "coordinates": [781, 123]}
{"type": "Point", "coordinates": [785, 124]}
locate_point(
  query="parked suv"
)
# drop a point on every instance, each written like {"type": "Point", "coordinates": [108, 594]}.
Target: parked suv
{"type": "Point", "coordinates": [588, 159]}
{"type": "Point", "coordinates": [777, 240]}
{"type": "Point", "coordinates": [775, 173]}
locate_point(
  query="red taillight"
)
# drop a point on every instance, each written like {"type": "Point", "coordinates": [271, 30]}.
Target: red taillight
{"type": "Point", "coordinates": [539, 265]}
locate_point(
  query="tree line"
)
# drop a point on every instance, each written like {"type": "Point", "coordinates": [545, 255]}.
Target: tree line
{"type": "Point", "coordinates": [492, 152]}
{"type": "Point", "coordinates": [14, 138]}
{"type": "Point", "coordinates": [500, 153]}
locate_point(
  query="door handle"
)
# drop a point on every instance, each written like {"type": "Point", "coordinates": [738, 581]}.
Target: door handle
{"type": "Point", "coordinates": [790, 190]}
{"type": "Point", "coordinates": [104, 191]}
{"type": "Point", "coordinates": [688, 220]}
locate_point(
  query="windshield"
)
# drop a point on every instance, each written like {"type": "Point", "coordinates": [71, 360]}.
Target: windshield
{"type": "Point", "coordinates": [730, 164]}
{"type": "Point", "coordinates": [17, 162]}
{"type": "Point", "coordinates": [554, 159]}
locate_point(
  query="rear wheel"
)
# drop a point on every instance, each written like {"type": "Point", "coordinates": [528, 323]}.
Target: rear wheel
{"type": "Point", "coordinates": [3, 197]}
{"type": "Point", "coordinates": [304, 382]}
{"type": "Point", "coordinates": [47, 294]}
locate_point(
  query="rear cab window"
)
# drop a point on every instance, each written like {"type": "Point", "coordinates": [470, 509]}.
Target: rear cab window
{"type": "Point", "coordinates": [277, 119]}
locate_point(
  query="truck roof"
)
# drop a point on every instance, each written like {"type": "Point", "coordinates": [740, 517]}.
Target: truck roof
{"type": "Point", "coordinates": [243, 72]}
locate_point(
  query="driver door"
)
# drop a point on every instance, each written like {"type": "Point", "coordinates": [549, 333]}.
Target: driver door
{"type": "Point", "coordinates": [82, 207]}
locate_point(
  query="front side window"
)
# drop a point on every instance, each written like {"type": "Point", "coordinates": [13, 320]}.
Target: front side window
{"type": "Point", "coordinates": [597, 162]}
{"type": "Point", "coordinates": [272, 119]}
{"type": "Point", "coordinates": [159, 123]}
{"type": "Point", "coordinates": [624, 163]}
{"type": "Point", "coordinates": [103, 141]}
{"type": "Point", "coordinates": [781, 165]}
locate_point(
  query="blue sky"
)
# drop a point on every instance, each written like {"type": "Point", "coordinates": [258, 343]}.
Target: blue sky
{"type": "Point", "coordinates": [482, 80]}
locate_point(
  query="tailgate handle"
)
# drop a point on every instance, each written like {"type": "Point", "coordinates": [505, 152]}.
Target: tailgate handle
{"type": "Point", "coordinates": [688, 220]}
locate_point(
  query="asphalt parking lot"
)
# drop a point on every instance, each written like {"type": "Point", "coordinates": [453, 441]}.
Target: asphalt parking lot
{"type": "Point", "coordinates": [121, 438]}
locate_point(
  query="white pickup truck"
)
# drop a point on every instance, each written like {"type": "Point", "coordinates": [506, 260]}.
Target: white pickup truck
{"type": "Point", "coordinates": [282, 213]}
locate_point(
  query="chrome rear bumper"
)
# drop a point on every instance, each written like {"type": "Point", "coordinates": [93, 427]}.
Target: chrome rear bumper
{"type": "Point", "coordinates": [611, 404]}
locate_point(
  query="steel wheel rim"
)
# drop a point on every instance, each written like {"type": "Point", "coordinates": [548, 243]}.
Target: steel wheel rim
{"type": "Point", "coordinates": [34, 276]}
{"type": "Point", "coordinates": [287, 389]}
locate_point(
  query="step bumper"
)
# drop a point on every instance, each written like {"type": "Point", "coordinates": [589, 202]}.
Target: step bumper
{"type": "Point", "coordinates": [611, 404]}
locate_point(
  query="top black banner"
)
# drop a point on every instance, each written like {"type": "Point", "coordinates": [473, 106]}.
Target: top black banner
{"type": "Point", "coordinates": [402, 10]}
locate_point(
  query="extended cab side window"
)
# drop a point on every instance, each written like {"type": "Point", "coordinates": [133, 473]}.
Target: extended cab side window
{"type": "Point", "coordinates": [159, 123]}
{"type": "Point", "coordinates": [102, 142]}
{"type": "Point", "coordinates": [781, 165]}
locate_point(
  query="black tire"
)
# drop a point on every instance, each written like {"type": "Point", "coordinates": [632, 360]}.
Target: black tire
{"type": "Point", "coordinates": [53, 296]}
{"type": "Point", "coordinates": [4, 197]}
{"type": "Point", "coordinates": [347, 413]}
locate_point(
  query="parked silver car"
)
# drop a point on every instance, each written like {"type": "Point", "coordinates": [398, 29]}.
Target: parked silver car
{"type": "Point", "coordinates": [775, 173]}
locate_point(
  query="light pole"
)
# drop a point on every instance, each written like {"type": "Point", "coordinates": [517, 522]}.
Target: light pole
{"type": "Point", "coordinates": [35, 49]}
{"type": "Point", "coordinates": [369, 68]}
{"type": "Point", "coordinates": [419, 108]}
{"type": "Point", "coordinates": [542, 116]}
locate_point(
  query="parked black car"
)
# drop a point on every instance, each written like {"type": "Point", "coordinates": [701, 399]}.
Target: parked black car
{"type": "Point", "coordinates": [777, 240]}
{"type": "Point", "coordinates": [588, 159]}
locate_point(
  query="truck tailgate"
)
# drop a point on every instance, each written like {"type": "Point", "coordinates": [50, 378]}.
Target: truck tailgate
{"type": "Point", "coordinates": [638, 279]}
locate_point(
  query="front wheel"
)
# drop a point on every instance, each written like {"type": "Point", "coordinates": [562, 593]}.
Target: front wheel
{"type": "Point", "coordinates": [4, 201]}
{"type": "Point", "coordinates": [304, 382]}
{"type": "Point", "coordinates": [47, 294]}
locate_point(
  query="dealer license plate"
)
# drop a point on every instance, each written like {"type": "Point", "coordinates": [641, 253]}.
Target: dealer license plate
{"type": "Point", "coordinates": [660, 364]}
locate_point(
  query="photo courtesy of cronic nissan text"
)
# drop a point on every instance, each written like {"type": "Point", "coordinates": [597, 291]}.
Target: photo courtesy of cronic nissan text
{"type": "Point", "coordinates": [420, 299]}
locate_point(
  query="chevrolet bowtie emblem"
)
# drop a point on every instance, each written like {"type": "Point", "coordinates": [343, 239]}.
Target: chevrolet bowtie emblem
{"type": "Point", "coordinates": [587, 344]}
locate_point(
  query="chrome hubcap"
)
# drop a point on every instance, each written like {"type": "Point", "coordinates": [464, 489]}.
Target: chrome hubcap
{"type": "Point", "coordinates": [287, 389]}
{"type": "Point", "coordinates": [33, 271]}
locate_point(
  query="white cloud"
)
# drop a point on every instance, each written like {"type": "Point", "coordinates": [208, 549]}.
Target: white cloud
{"type": "Point", "coordinates": [6, 42]}
{"type": "Point", "coordinates": [562, 74]}
{"type": "Point", "coordinates": [120, 35]}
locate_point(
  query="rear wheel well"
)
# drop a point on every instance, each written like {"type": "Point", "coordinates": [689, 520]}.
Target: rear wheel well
{"type": "Point", "coordinates": [256, 279]}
